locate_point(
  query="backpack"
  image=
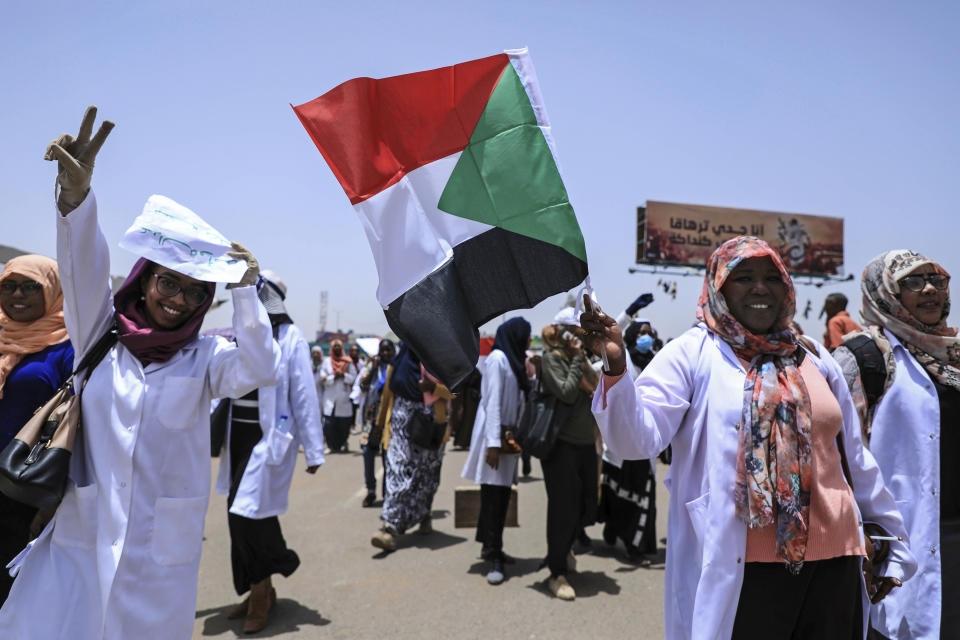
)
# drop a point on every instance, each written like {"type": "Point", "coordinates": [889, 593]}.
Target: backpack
{"type": "Point", "coordinates": [873, 369]}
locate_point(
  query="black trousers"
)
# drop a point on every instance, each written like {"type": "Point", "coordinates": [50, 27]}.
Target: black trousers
{"type": "Point", "coordinates": [570, 476]}
{"type": "Point", "coordinates": [822, 602]}
{"type": "Point", "coordinates": [494, 501]}
{"type": "Point", "coordinates": [15, 519]}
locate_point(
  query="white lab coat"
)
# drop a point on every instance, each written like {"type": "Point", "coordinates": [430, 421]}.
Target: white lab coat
{"type": "Point", "coordinates": [336, 392]}
{"type": "Point", "coordinates": [120, 558]}
{"type": "Point", "coordinates": [691, 395]}
{"type": "Point", "coordinates": [905, 440]}
{"type": "Point", "coordinates": [357, 396]}
{"type": "Point", "coordinates": [318, 385]}
{"type": "Point", "coordinates": [500, 403]}
{"type": "Point", "coordinates": [265, 484]}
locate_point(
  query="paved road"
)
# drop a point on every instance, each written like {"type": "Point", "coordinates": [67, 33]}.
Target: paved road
{"type": "Point", "coordinates": [432, 586]}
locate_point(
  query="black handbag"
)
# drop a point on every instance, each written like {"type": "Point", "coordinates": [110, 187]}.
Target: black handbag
{"type": "Point", "coordinates": [34, 466]}
{"type": "Point", "coordinates": [543, 417]}
{"type": "Point", "coordinates": [424, 432]}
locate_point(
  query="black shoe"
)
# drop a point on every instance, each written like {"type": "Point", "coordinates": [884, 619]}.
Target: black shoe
{"type": "Point", "coordinates": [369, 500]}
{"type": "Point", "coordinates": [527, 468]}
{"type": "Point", "coordinates": [609, 535]}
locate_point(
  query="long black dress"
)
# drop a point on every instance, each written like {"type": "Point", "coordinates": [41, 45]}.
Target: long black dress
{"type": "Point", "coordinates": [257, 547]}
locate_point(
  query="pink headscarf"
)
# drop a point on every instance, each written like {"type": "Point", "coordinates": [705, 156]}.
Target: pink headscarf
{"type": "Point", "coordinates": [136, 334]}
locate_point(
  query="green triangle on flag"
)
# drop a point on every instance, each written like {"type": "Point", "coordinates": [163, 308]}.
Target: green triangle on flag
{"type": "Point", "coordinates": [507, 177]}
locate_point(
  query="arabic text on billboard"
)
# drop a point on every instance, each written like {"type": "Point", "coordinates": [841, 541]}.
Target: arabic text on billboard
{"type": "Point", "coordinates": [686, 235]}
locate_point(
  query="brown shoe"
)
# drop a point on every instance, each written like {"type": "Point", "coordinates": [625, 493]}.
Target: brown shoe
{"type": "Point", "coordinates": [560, 588]}
{"type": "Point", "coordinates": [262, 599]}
{"type": "Point", "coordinates": [239, 611]}
{"type": "Point", "coordinates": [384, 539]}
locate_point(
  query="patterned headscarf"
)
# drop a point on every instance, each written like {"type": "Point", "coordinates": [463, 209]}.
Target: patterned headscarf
{"type": "Point", "coordinates": [774, 450]}
{"type": "Point", "coordinates": [18, 339]}
{"type": "Point", "coordinates": [936, 347]}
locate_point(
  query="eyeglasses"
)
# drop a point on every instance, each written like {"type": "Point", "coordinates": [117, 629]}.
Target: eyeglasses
{"type": "Point", "coordinates": [28, 287]}
{"type": "Point", "coordinates": [193, 296]}
{"type": "Point", "coordinates": [917, 283]}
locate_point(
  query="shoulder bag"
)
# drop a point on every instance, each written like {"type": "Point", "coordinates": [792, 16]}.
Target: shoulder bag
{"type": "Point", "coordinates": [35, 464]}
{"type": "Point", "coordinates": [424, 431]}
{"type": "Point", "coordinates": [543, 417]}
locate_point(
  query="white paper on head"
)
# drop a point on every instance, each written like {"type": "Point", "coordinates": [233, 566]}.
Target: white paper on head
{"type": "Point", "coordinates": [173, 236]}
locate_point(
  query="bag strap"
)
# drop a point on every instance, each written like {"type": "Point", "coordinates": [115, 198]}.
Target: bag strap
{"type": "Point", "coordinates": [96, 353]}
{"type": "Point", "coordinates": [870, 363]}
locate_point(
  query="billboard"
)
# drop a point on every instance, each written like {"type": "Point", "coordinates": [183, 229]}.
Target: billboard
{"type": "Point", "coordinates": [686, 234]}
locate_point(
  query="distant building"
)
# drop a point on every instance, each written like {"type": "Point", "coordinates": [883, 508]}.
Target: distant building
{"type": "Point", "coordinates": [8, 253]}
{"type": "Point", "coordinates": [326, 337]}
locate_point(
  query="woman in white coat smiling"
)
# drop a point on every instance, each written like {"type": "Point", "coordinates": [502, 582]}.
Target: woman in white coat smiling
{"type": "Point", "coordinates": [120, 559]}
{"type": "Point", "coordinates": [910, 404]}
{"type": "Point", "coordinates": [501, 399]}
{"type": "Point", "coordinates": [267, 427]}
{"type": "Point", "coordinates": [765, 535]}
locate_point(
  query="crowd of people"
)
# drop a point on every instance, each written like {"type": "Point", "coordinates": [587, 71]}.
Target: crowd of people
{"type": "Point", "coordinates": [811, 494]}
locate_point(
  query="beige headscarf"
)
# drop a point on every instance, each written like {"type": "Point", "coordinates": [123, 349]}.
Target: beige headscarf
{"type": "Point", "coordinates": [18, 339]}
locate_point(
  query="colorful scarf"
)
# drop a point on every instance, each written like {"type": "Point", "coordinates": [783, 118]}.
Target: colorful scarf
{"type": "Point", "coordinates": [18, 339]}
{"type": "Point", "coordinates": [774, 450]}
{"type": "Point", "coordinates": [136, 334]}
{"type": "Point", "coordinates": [341, 363]}
{"type": "Point", "coordinates": [936, 347]}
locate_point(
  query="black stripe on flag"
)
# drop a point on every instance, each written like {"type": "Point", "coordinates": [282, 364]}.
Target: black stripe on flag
{"type": "Point", "coordinates": [490, 274]}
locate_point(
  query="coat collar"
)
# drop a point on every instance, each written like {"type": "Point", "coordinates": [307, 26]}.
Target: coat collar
{"type": "Point", "coordinates": [901, 353]}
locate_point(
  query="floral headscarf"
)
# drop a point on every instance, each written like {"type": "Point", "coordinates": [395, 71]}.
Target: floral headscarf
{"type": "Point", "coordinates": [774, 450]}
{"type": "Point", "coordinates": [936, 347]}
{"type": "Point", "coordinates": [18, 339]}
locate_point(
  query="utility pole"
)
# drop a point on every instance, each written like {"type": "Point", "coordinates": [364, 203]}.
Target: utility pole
{"type": "Point", "coordinates": [324, 297]}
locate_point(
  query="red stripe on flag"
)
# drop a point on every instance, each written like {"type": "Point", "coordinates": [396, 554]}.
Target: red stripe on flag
{"type": "Point", "coordinates": [373, 132]}
{"type": "Point", "coordinates": [486, 346]}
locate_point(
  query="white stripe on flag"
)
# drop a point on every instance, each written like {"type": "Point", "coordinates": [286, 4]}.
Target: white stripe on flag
{"type": "Point", "coordinates": [408, 235]}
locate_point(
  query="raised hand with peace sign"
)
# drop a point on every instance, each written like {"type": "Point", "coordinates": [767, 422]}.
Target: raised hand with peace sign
{"type": "Point", "coordinates": [75, 158]}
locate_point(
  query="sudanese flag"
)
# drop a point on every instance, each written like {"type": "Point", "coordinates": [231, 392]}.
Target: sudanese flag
{"type": "Point", "coordinates": [455, 177]}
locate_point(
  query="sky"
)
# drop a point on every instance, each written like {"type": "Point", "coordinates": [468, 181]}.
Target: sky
{"type": "Point", "coordinates": [841, 109]}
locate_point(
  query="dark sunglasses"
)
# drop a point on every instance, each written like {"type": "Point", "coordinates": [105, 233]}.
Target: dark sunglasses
{"type": "Point", "coordinates": [29, 287]}
{"type": "Point", "coordinates": [917, 283]}
{"type": "Point", "coordinates": [193, 296]}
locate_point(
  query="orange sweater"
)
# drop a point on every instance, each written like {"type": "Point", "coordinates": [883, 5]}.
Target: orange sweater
{"type": "Point", "coordinates": [834, 529]}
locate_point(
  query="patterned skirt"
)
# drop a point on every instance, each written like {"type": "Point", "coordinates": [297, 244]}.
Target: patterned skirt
{"type": "Point", "coordinates": [412, 472]}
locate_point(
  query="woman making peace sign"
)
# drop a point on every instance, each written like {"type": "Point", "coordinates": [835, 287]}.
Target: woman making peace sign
{"type": "Point", "coordinates": [121, 556]}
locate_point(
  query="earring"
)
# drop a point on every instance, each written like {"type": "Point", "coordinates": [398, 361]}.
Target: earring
{"type": "Point", "coordinates": [143, 298]}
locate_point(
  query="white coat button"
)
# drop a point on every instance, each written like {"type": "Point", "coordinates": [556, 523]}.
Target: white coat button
{"type": "Point", "coordinates": [933, 492]}
{"type": "Point", "coordinates": [116, 543]}
{"type": "Point", "coordinates": [931, 436]}
{"type": "Point", "coordinates": [738, 560]}
{"type": "Point", "coordinates": [123, 485]}
{"type": "Point", "coordinates": [933, 549]}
